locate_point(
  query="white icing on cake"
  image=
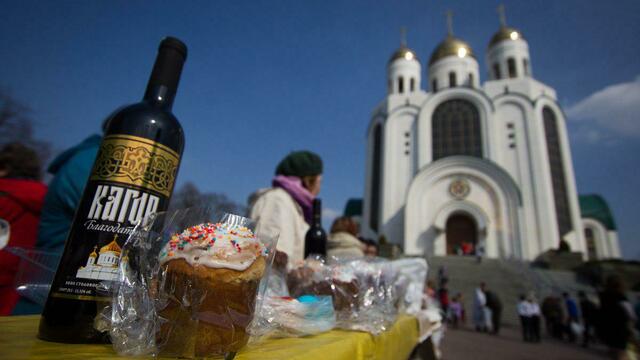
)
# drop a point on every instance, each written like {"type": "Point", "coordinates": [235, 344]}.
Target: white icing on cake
{"type": "Point", "coordinates": [215, 245]}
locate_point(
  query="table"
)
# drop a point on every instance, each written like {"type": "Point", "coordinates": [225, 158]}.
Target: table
{"type": "Point", "coordinates": [18, 341]}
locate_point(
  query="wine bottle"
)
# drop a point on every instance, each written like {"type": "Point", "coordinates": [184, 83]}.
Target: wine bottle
{"type": "Point", "coordinates": [132, 177]}
{"type": "Point", "coordinates": [315, 241]}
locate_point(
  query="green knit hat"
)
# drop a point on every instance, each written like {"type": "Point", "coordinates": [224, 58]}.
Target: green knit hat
{"type": "Point", "coordinates": [300, 163]}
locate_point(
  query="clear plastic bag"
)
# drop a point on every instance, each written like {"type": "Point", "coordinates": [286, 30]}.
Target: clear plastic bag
{"type": "Point", "coordinates": [363, 290]}
{"type": "Point", "coordinates": [277, 282]}
{"type": "Point", "coordinates": [412, 275]}
{"type": "Point", "coordinates": [35, 273]}
{"type": "Point", "coordinates": [290, 317]}
{"type": "Point", "coordinates": [188, 287]}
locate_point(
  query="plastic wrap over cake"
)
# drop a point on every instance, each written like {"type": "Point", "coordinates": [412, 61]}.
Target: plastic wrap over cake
{"type": "Point", "coordinates": [284, 316]}
{"type": "Point", "coordinates": [189, 285]}
{"type": "Point", "coordinates": [412, 275]}
{"type": "Point", "coordinates": [363, 290]}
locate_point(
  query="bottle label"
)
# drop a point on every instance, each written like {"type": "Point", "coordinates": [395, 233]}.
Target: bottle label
{"type": "Point", "coordinates": [132, 178]}
{"type": "Point", "coordinates": [137, 161]}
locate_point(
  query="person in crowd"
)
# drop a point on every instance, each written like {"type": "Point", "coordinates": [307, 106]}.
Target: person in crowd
{"type": "Point", "coordinates": [495, 305]}
{"type": "Point", "coordinates": [637, 311]}
{"type": "Point", "coordinates": [524, 312]}
{"type": "Point", "coordinates": [534, 318]}
{"type": "Point", "coordinates": [21, 197]}
{"type": "Point", "coordinates": [443, 297]}
{"type": "Point", "coordinates": [588, 310]}
{"type": "Point", "coordinates": [429, 295]}
{"type": "Point", "coordinates": [553, 313]}
{"type": "Point", "coordinates": [442, 275]}
{"type": "Point", "coordinates": [479, 253]}
{"type": "Point", "coordinates": [616, 318]}
{"type": "Point", "coordinates": [467, 248]}
{"type": "Point", "coordinates": [429, 289]}
{"type": "Point", "coordinates": [572, 316]}
{"type": "Point", "coordinates": [342, 241]}
{"type": "Point", "coordinates": [481, 313]}
{"type": "Point", "coordinates": [456, 311]}
{"type": "Point", "coordinates": [71, 170]}
{"type": "Point", "coordinates": [370, 248]}
{"type": "Point", "coordinates": [286, 207]}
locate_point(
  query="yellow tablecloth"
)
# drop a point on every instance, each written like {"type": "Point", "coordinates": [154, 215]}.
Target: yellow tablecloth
{"type": "Point", "coordinates": [18, 341]}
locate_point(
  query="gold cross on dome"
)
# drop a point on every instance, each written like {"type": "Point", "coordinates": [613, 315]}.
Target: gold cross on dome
{"type": "Point", "coordinates": [449, 22]}
{"type": "Point", "coordinates": [403, 36]}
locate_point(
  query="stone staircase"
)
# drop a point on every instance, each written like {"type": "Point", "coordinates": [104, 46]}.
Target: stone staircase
{"type": "Point", "coordinates": [507, 278]}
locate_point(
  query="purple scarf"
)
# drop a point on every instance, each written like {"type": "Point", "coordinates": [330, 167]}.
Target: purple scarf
{"type": "Point", "coordinates": [293, 186]}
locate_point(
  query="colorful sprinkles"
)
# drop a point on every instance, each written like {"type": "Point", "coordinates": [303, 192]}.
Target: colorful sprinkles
{"type": "Point", "coordinates": [206, 235]}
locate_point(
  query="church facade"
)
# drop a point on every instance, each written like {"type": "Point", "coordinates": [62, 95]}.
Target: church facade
{"type": "Point", "coordinates": [467, 167]}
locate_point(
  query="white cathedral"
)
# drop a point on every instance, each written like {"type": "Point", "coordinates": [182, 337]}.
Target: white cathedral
{"type": "Point", "coordinates": [465, 162]}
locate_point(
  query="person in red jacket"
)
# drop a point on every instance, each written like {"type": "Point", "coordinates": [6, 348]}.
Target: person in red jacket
{"type": "Point", "coordinates": [21, 198]}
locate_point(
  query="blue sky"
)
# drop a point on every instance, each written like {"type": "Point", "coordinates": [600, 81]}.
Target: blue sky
{"type": "Point", "coordinates": [267, 77]}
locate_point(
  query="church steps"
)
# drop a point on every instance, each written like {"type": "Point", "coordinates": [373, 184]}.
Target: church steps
{"type": "Point", "coordinates": [508, 278]}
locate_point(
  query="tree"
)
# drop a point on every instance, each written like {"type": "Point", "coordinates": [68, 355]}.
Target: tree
{"type": "Point", "coordinates": [189, 196]}
{"type": "Point", "coordinates": [16, 125]}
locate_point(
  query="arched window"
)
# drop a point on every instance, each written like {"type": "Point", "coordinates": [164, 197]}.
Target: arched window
{"type": "Point", "coordinates": [434, 85]}
{"type": "Point", "coordinates": [455, 130]}
{"type": "Point", "coordinates": [412, 87]}
{"type": "Point", "coordinates": [470, 80]}
{"type": "Point", "coordinates": [556, 164]}
{"type": "Point", "coordinates": [400, 85]}
{"type": "Point", "coordinates": [511, 66]}
{"type": "Point", "coordinates": [525, 66]}
{"type": "Point", "coordinates": [496, 70]}
{"type": "Point", "coordinates": [452, 79]}
{"type": "Point", "coordinates": [376, 170]}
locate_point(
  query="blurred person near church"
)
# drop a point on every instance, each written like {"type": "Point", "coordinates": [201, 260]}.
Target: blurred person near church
{"type": "Point", "coordinates": [636, 308]}
{"type": "Point", "coordinates": [21, 197]}
{"type": "Point", "coordinates": [481, 313]}
{"type": "Point", "coordinates": [287, 207]}
{"type": "Point", "coordinates": [553, 312]}
{"type": "Point", "coordinates": [342, 241]}
{"type": "Point", "coordinates": [495, 305]}
{"type": "Point", "coordinates": [589, 313]}
{"type": "Point", "coordinates": [572, 316]}
{"type": "Point", "coordinates": [456, 311]}
{"type": "Point", "coordinates": [443, 297]}
{"type": "Point", "coordinates": [524, 312]}
{"type": "Point", "coordinates": [617, 319]}
{"type": "Point", "coordinates": [534, 318]}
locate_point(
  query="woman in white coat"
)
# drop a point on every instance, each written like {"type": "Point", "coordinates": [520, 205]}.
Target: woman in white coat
{"type": "Point", "coordinates": [286, 208]}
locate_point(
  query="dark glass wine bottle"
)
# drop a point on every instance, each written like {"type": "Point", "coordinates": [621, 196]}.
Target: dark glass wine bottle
{"type": "Point", "coordinates": [133, 176]}
{"type": "Point", "coordinates": [315, 241]}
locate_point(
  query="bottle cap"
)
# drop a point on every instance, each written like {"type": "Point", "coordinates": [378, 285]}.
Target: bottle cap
{"type": "Point", "coordinates": [171, 42]}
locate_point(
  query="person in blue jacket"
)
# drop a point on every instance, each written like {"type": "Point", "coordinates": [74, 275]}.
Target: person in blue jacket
{"type": "Point", "coordinates": [71, 171]}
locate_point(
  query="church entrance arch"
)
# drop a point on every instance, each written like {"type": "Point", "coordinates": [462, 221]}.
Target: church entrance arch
{"type": "Point", "coordinates": [462, 234]}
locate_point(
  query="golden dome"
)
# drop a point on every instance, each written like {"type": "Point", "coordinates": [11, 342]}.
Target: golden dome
{"type": "Point", "coordinates": [112, 246]}
{"type": "Point", "coordinates": [505, 33]}
{"type": "Point", "coordinates": [451, 46]}
{"type": "Point", "coordinates": [93, 253]}
{"type": "Point", "coordinates": [403, 53]}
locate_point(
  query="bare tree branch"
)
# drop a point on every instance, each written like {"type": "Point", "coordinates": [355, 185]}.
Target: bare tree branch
{"type": "Point", "coordinates": [16, 125]}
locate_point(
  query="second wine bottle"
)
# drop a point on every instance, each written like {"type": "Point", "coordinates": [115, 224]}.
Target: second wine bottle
{"type": "Point", "coordinates": [315, 241]}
